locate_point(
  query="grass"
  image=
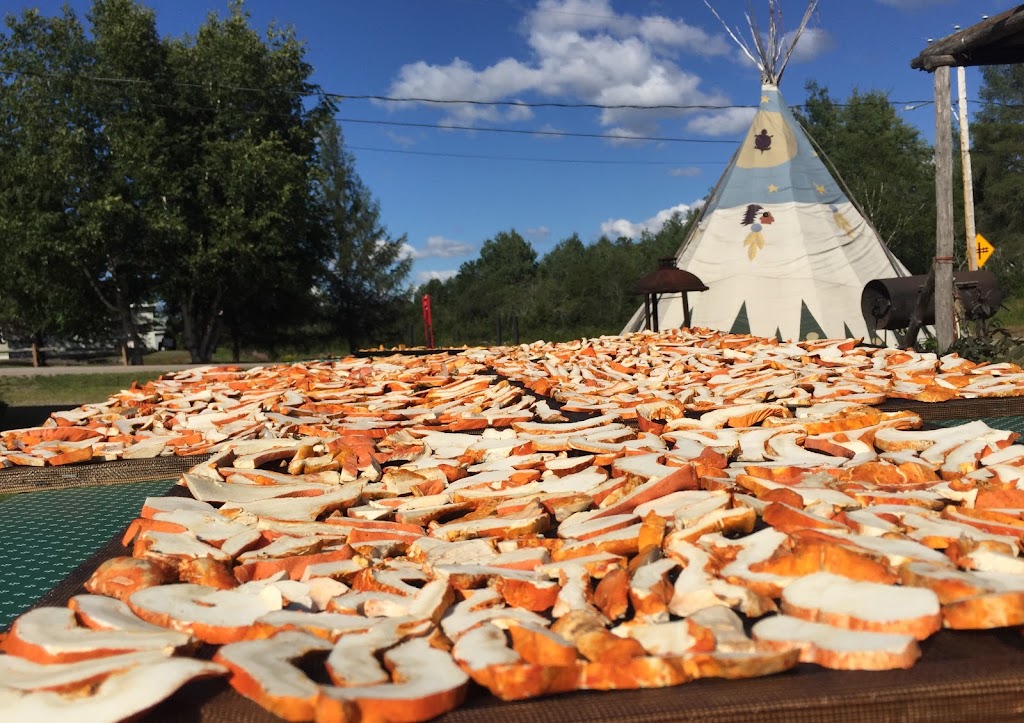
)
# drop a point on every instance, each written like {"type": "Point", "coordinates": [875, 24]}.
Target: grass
{"type": "Point", "coordinates": [64, 389]}
{"type": "Point", "coordinates": [1011, 316]}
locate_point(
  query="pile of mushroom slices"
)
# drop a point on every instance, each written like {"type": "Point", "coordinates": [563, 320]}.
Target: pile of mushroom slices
{"type": "Point", "coordinates": [207, 409]}
{"type": "Point", "coordinates": [204, 410]}
{"type": "Point", "coordinates": [706, 370]}
{"type": "Point", "coordinates": [382, 572]}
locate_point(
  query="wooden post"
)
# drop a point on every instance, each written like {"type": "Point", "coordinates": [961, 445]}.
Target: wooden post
{"type": "Point", "coordinates": [944, 322]}
{"type": "Point", "coordinates": [686, 311]}
{"type": "Point", "coordinates": [654, 310]}
{"type": "Point", "coordinates": [647, 312]}
{"type": "Point", "coordinates": [965, 163]}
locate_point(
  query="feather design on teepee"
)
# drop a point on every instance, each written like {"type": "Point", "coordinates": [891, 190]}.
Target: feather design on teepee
{"type": "Point", "coordinates": [841, 221]}
{"type": "Point", "coordinates": [754, 241]}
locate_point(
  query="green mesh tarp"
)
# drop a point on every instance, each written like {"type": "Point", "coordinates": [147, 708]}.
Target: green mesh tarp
{"type": "Point", "coordinates": [1014, 424]}
{"type": "Point", "coordinates": [48, 534]}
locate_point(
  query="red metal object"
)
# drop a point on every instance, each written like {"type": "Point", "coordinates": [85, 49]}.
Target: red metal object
{"type": "Point", "coordinates": [428, 323]}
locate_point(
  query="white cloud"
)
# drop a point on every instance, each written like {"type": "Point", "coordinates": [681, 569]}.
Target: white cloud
{"type": "Point", "coordinates": [626, 136]}
{"type": "Point", "coordinates": [685, 172]}
{"type": "Point", "coordinates": [400, 139]}
{"type": "Point", "coordinates": [549, 131]}
{"type": "Point", "coordinates": [813, 43]}
{"type": "Point", "coordinates": [727, 122]}
{"type": "Point", "coordinates": [598, 16]}
{"type": "Point", "coordinates": [613, 228]}
{"type": "Point", "coordinates": [439, 247]}
{"type": "Point", "coordinates": [423, 277]}
{"type": "Point", "coordinates": [582, 50]}
{"type": "Point", "coordinates": [539, 234]}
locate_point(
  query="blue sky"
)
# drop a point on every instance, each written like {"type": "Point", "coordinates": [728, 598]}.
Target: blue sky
{"type": "Point", "coordinates": [448, 190]}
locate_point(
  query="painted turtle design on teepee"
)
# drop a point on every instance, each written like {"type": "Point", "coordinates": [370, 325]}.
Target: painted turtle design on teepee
{"type": "Point", "coordinates": [801, 268]}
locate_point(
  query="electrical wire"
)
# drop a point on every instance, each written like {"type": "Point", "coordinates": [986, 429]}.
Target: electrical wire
{"type": "Point", "coordinates": [535, 159]}
{"type": "Point", "coordinates": [320, 93]}
{"type": "Point", "coordinates": [522, 131]}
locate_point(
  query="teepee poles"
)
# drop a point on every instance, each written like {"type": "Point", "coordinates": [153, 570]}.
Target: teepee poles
{"type": "Point", "coordinates": [770, 54]}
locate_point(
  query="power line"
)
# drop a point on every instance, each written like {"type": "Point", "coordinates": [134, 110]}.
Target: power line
{"type": "Point", "coordinates": [536, 160]}
{"type": "Point", "coordinates": [521, 131]}
{"type": "Point", "coordinates": [439, 126]}
{"type": "Point", "coordinates": [534, 104]}
{"type": "Point", "coordinates": [320, 93]}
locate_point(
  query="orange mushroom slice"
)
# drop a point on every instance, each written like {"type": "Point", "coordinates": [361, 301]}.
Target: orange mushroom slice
{"type": "Point", "coordinates": [121, 695]}
{"type": "Point", "coordinates": [857, 605]}
{"type": "Point", "coordinates": [838, 648]}
{"type": "Point", "coordinates": [26, 675]}
{"type": "Point", "coordinates": [119, 577]}
{"type": "Point", "coordinates": [484, 653]}
{"type": "Point", "coordinates": [213, 616]}
{"type": "Point", "coordinates": [263, 671]}
{"type": "Point", "coordinates": [425, 682]}
{"type": "Point", "coordinates": [53, 635]}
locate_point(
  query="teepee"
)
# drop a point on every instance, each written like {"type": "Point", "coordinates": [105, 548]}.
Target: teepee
{"type": "Point", "coordinates": [782, 249]}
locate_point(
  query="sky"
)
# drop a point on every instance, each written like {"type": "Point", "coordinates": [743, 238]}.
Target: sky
{"type": "Point", "coordinates": [533, 154]}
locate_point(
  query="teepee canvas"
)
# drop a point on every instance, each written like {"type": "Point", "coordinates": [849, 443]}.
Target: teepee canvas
{"type": "Point", "coordinates": [782, 249]}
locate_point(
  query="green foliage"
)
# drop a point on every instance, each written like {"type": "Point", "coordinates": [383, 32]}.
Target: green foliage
{"type": "Point", "coordinates": [119, 245]}
{"type": "Point", "coordinates": [138, 169]}
{"type": "Point", "coordinates": [997, 161]}
{"type": "Point", "coordinates": [884, 162]}
{"type": "Point", "coordinates": [575, 290]}
{"type": "Point", "coordinates": [46, 137]}
{"type": "Point", "coordinates": [998, 345]}
{"type": "Point", "coordinates": [244, 232]}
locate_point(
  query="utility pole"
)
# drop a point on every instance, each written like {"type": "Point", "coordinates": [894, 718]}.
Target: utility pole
{"type": "Point", "coordinates": [945, 329]}
{"type": "Point", "coordinates": [965, 162]}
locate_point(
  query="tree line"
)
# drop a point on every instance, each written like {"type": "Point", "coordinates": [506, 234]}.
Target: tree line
{"type": "Point", "coordinates": [207, 174]}
{"type": "Point", "coordinates": [203, 173]}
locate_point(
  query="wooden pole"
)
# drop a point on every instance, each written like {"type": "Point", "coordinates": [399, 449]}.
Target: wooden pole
{"type": "Point", "coordinates": [965, 163]}
{"type": "Point", "coordinates": [944, 321]}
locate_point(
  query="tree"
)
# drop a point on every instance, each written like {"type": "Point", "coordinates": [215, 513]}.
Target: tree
{"type": "Point", "coordinates": [122, 245]}
{"type": "Point", "coordinates": [46, 143]}
{"type": "Point", "coordinates": [885, 164]}
{"type": "Point", "coordinates": [493, 288]}
{"type": "Point", "coordinates": [366, 270]}
{"type": "Point", "coordinates": [244, 228]}
{"type": "Point", "coordinates": [998, 164]}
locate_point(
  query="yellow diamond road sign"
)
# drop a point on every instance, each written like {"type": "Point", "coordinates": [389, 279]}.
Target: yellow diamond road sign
{"type": "Point", "coordinates": [984, 248]}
